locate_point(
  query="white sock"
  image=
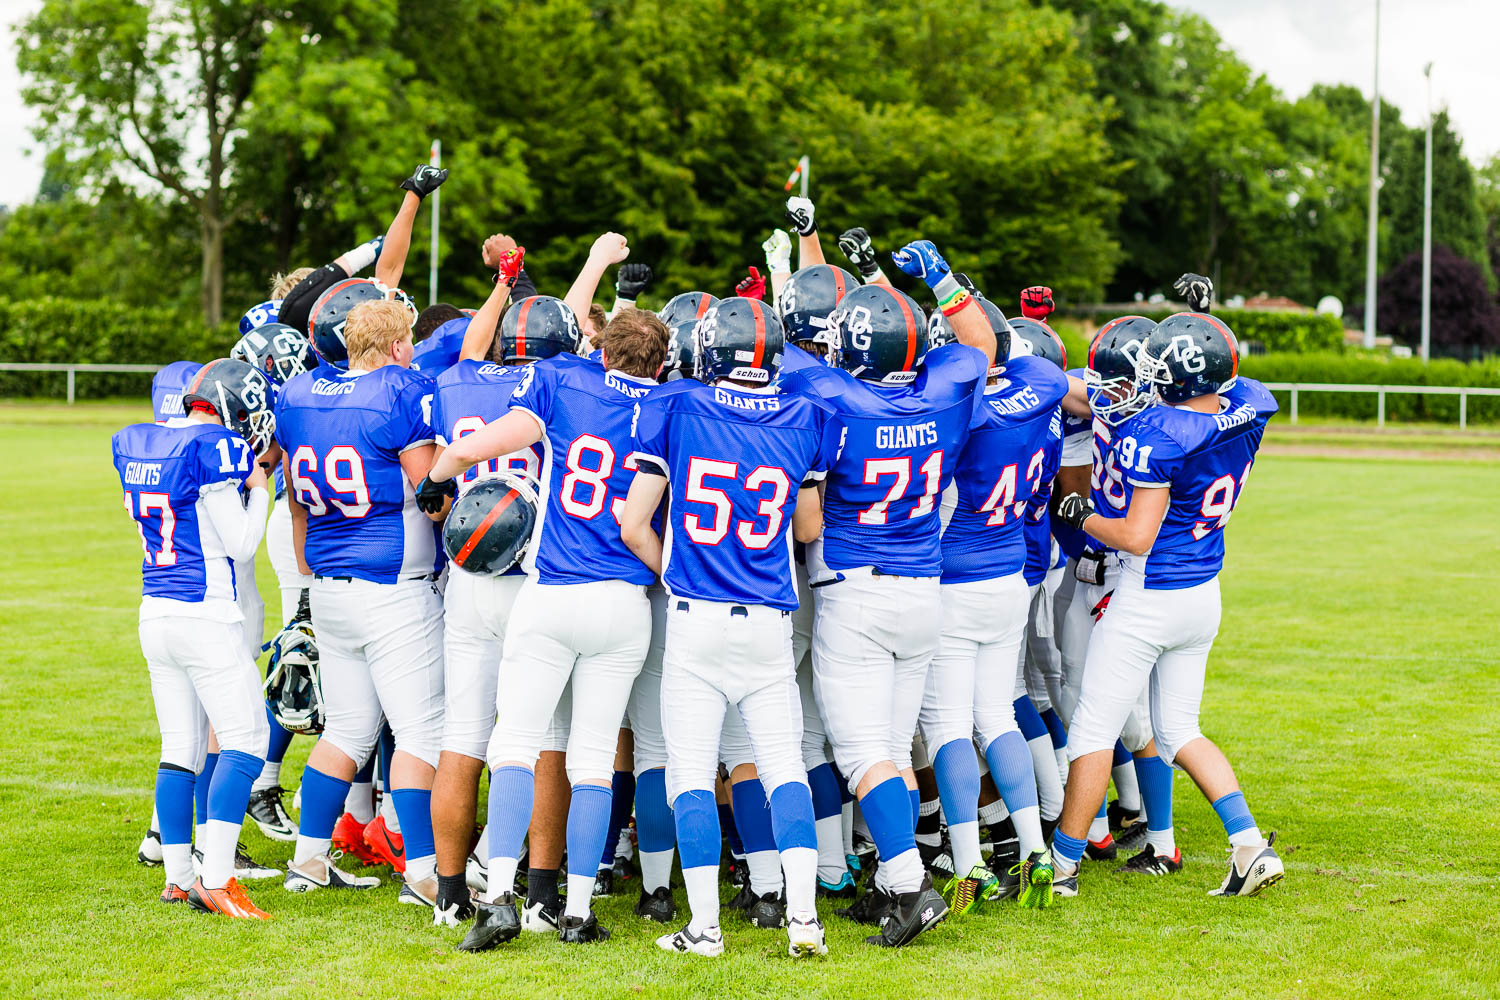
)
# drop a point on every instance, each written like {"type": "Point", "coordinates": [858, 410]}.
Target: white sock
{"type": "Point", "coordinates": [965, 840]}
{"type": "Point", "coordinates": [502, 878]}
{"type": "Point", "coordinates": [993, 813]}
{"type": "Point", "coordinates": [625, 847]}
{"type": "Point", "coordinates": [846, 826]}
{"type": "Point", "coordinates": [360, 802]}
{"type": "Point", "coordinates": [1099, 829]}
{"type": "Point", "coordinates": [1162, 841]}
{"type": "Point", "coordinates": [656, 869]}
{"type": "Point", "coordinates": [801, 867]}
{"type": "Point", "coordinates": [765, 872]}
{"type": "Point", "coordinates": [419, 868]}
{"type": "Point", "coordinates": [930, 839]}
{"type": "Point", "coordinates": [1062, 765]}
{"type": "Point", "coordinates": [482, 849]}
{"type": "Point", "coordinates": [1249, 837]}
{"type": "Point", "coordinates": [308, 848]}
{"type": "Point", "coordinates": [1049, 790]}
{"type": "Point", "coordinates": [1028, 823]}
{"type": "Point", "coordinates": [218, 843]}
{"type": "Point", "coordinates": [903, 873]}
{"type": "Point", "coordinates": [1127, 786]}
{"type": "Point", "coordinates": [155, 822]}
{"type": "Point", "coordinates": [177, 859]}
{"type": "Point", "coordinates": [703, 896]}
{"type": "Point", "coordinates": [580, 894]}
{"type": "Point", "coordinates": [831, 863]}
{"type": "Point", "coordinates": [270, 776]}
{"type": "Point", "coordinates": [388, 812]}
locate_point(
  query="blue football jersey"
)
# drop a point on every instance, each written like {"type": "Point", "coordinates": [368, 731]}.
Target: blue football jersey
{"type": "Point", "coordinates": [167, 387]}
{"type": "Point", "coordinates": [587, 466]}
{"type": "Point", "coordinates": [1001, 470]}
{"type": "Point", "coordinates": [164, 470]}
{"type": "Point", "coordinates": [441, 349]}
{"type": "Point", "coordinates": [1205, 460]}
{"type": "Point", "coordinates": [735, 460]}
{"type": "Point", "coordinates": [901, 445]}
{"type": "Point", "coordinates": [343, 434]}
{"type": "Point", "coordinates": [1077, 449]}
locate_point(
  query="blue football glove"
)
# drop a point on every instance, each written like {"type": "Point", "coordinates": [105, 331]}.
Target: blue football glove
{"type": "Point", "coordinates": [920, 259]}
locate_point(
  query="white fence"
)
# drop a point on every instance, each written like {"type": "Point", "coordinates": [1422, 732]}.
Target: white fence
{"type": "Point", "coordinates": [73, 370]}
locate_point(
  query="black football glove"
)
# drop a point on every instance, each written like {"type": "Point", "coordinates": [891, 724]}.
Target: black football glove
{"type": "Point", "coordinates": [1074, 509]}
{"type": "Point", "coordinates": [631, 280]}
{"type": "Point", "coordinates": [856, 245]}
{"type": "Point", "coordinates": [1197, 290]}
{"type": "Point", "coordinates": [430, 495]}
{"type": "Point", "coordinates": [425, 180]}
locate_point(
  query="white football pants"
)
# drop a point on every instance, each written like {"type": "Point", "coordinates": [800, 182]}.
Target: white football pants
{"type": "Point", "coordinates": [971, 687]}
{"type": "Point", "coordinates": [476, 610]}
{"type": "Point", "coordinates": [201, 676]}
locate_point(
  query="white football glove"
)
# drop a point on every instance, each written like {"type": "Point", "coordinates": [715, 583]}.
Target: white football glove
{"type": "Point", "coordinates": [800, 212]}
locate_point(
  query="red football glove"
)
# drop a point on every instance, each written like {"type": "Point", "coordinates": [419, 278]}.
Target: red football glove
{"type": "Point", "coordinates": [509, 266]}
{"type": "Point", "coordinates": [1036, 302]}
{"type": "Point", "coordinates": [753, 287]}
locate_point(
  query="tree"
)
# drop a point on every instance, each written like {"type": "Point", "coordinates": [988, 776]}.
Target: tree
{"type": "Point", "coordinates": [1487, 184]}
{"type": "Point", "coordinates": [1465, 318]}
{"type": "Point", "coordinates": [1457, 219]}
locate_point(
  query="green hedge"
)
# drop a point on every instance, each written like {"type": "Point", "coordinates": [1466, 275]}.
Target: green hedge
{"type": "Point", "coordinates": [54, 330]}
{"type": "Point", "coordinates": [1274, 331]}
{"type": "Point", "coordinates": [1379, 369]}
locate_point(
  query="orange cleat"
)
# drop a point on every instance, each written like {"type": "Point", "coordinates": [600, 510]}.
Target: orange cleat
{"type": "Point", "coordinates": [349, 837]}
{"type": "Point", "coordinates": [387, 846]}
{"type": "Point", "coordinates": [230, 901]}
{"type": "Point", "coordinates": [174, 894]}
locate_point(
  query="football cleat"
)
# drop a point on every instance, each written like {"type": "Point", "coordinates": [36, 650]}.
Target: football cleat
{"type": "Point", "coordinates": [452, 910]}
{"type": "Point", "coordinates": [422, 892]}
{"type": "Point", "coordinates": [1005, 863]}
{"type": "Point", "coordinates": [1133, 837]}
{"type": "Point", "coordinates": [937, 859]}
{"type": "Point", "coordinates": [657, 905]}
{"type": "Point", "coordinates": [174, 894]}
{"type": "Point", "coordinates": [1252, 869]}
{"type": "Point", "coordinates": [1148, 862]}
{"type": "Point", "coordinates": [538, 917]}
{"type": "Point", "coordinates": [385, 844]}
{"type": "Point", "coordinates": [911, 913]}
{"type": "Point", "coordinates": [871, 908]}
{"type": "Point", "coordinates": [230, 901]}
{"type": "Point", "coordinates": [604, 882]}
{"type": "Point", "coordinates": [851, 861]}
{"type": "Point", "coordinates": [349, 837]}
{"type": "Point", "coordinates": [744, 899]}
{"type": "Point", "coordinates": [1034, 879]}
{"type": "Point", "coordinates": [1065, 885]}
{"type": "Point", "coordinates": [149, 853]}
{"type": "Point", "coordinates": [963, 895]}
{"type": "Point", "coordinates": [844, 888]}
{"type": "Point", "coordinates": [266, 809]}
{"type": "Point", "coordinates": [767, 911]}
{"type": "Point", "coordinates": [739, 873]}
{"type": "Point", "coordinates": [477, 873]}
{"type": "Point", "coordinates": [494, 924]}
{"type": "Point", "coordinates": [1121, 818]}
{"type": "Point", "coordinates": [247, 867]}
{"type": "Point", "coordinates": [1102, 850]}
{"type": "Point", "coordinates": [581, 930]}
{"type": "Point", "coordinates": [321, 873]}
{"type": "Point", "coordinates": [804, 936]}
{"type": "Point", "coordinates": [709, 942]}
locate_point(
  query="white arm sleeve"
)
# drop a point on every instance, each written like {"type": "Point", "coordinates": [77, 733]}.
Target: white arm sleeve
{"type": "Point", "coordinates": [240, 527]}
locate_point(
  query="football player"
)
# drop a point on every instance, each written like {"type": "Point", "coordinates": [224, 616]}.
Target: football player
{"type": "Point", "coordinates": [731, 451]}
{"type": "Point", "coordinates": [1182, 466]}
{"type": "Point", "coordinates": [582, 614]}
{"type": "Point", "coordinates": [182, 483]}
{"type": "Point", "coordinates": [356, 440]}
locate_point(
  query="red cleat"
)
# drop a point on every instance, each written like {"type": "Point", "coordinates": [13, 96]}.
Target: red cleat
{"type": "Point", "coordinates": [349, 837]}
{"type": "Point", "coordinates": [174, 894]}
{"type": "Point", "coordinates": [387, 846]}
{"type": "Point", "coordinates": [229, 901]}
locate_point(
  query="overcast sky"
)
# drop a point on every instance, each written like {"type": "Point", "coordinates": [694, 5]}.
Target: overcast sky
{"type": "Point", "coordinates": [1297, 43]}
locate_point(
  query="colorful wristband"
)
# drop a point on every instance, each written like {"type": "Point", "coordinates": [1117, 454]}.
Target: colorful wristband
{"type": "Point", "coordinates": [951, 295]}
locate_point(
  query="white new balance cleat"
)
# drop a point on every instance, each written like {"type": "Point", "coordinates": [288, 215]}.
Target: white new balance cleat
{"type": "Point", "coordinates": [804, 936]}
{"type": "Point", "coordinates": [1251, 869]}
{"type": "Point", "coordinates": [709, 942]}
{"type": "Point", "coordinates": [321, 873]}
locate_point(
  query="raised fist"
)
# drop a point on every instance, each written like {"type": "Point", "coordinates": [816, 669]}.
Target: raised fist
{"type": "Point", "coordinates": [753, 287]}
{"type": "Point", "coordinates": [920, 259]}
{"type": "Point", "coordinates": [609, 248]}
{"type": "Point", "coordinates": [1197, 290]}
{"type": "Point", "coordinates": [1074, 509]}
{"type": "Point", "coordinates": [778, 250]}
{"type": "Point", "coordinates": [1036, 302]}
{"type": "Point", "coordinates": [425, 180]}
{"type": "Point", "coordinates": [509, 266]}
{"type": "Point", "coordinates": [856, 245]}
{"type": "Point", "coordinates": [800, 212]}
{"type": "Point", "coordinates": [632, 280]}
{"type": "Point", "coordinates": [496, 247]}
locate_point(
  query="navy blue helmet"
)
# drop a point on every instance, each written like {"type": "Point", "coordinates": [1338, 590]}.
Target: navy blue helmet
{"type": "Point", "coordinates": [681, 315]}
{"type": "Point", "coordinates": [1111, 375]}
{"type": "Point", "coordinates": [738, 338]}
{"type": "Point", "coordinates": [259, 315]}
{"type": "Point", "coordinates": [808, 298]}
{"type": "Point", "coordinates": [1187, 355]}
{"type": "Point", "coordinates": [490, 526]}
{"type": "Point", "coordinates": [325, 324]}
{"type": "Point", "coordinates": [292, 686]}
{"type": "Point", "coordinates": [240, 395]}
{"type": "Point", "coordinates": [278, 350]}
{"type": "Point", "coordinates": [940, 331]}
{"type": "Point", "coordinates": [881, 335]}
{"type": "Point", "coordinates": [538, 327]}
{"type": "Point", "coordinates": [1042, 340]}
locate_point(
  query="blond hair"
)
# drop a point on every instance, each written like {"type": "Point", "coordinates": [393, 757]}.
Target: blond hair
{"type": "Point", "coordinates": [283, 283]}
{"type": "Point", "coordinates": [372, 327]}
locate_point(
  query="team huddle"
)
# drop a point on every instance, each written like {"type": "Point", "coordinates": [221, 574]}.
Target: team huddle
{"type": "Point", "coordinates": [877, 599]}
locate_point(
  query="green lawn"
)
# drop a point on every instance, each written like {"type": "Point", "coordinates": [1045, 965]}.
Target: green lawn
{"type": "Point", "coordinates": [1354, 686]}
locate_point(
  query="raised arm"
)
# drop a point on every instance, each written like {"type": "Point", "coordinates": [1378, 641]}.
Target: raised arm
{"type": "Point", "coordinates": [778, 250]}
{"type": "Point", "coordinates": [480, 333]}
{"type": "Point", "coordinates": [630, 281]}
{"type": "Point", "coordinates": [860, 250]}
{"type": "Point", "coordinates": [609, 249]}
{"type": "Point", "coordinates": [921, 259]}
{"type": "Point", "coordinates": [423, 181]}
{"type": "Point", "coordinates": [800, 212]}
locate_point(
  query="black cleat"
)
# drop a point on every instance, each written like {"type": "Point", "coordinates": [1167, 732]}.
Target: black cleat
{"type": "Point", "coordinates": [767, 911]}
{"type": "Point", "coordinates": [739, 873]}
{"type": "Point", "coordinates": [1104, 850]}
{"type": "Point", "coordinates": [1148, 862]}
{"type": "Point", "coordinates": [1003, 864]}
{"type": "Point", "coordinates": [937, 859]}
{"type": "Point", "coordinates": [870, 908]}
{"type": "Point", "coordinates": [744, 899]}
{"type": "Point", "coordinates": [658, 905]}
{"type": "Point", "coordinates": [494, 924]}
{"type": "Point", "coordinates": [844, 888]}
{"type": "Point", "coordinates": [1133, 837]}
{"type": "Point", "coordinates": [911, 914]}
{"type": "Point", "coordinates": [604, 882]}
{"type": "Point", "coordinates": [581, 930]}
{"type": "Point", "coordinates": [1120, 817]}
{"type": "Point", "coordinates": [270, 815]}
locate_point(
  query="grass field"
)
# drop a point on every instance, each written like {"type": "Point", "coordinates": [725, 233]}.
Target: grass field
{"type": "Point", "coordinates": [1354, 684]}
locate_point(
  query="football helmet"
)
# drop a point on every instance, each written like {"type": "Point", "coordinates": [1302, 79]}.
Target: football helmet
{"type": "Point", "coordinates": [1042, 339]}
{"type": "Point", "coordinates": [680, 315]}
{"type": "Point", "coordinates": [1110, 376]}
{"type": "Point", "coordinates": [325, 325]}
{"type": "Point", "coordinates": [880, 335]}
{"type": "Point", "coordinates": [240, 395]}
{"type": "Point", "coordinates": [1187, 355]}
{"type": "Point", "coordinates": [490, 526]}
{"type": "Point", "coordinates": [292, 686]}
{"type": "Point", "coordinates": [538, 327]}
{"type": "Point", "coordinates": [278, 350]}
{"type": "Point", "coordinates": [807, 299]}
{"type": "Point", "coordinates": [258, 316]}
{"type": "Point", "coordinates": [940, 331]}
{"type": "Point", "coordinates": [738, 338]}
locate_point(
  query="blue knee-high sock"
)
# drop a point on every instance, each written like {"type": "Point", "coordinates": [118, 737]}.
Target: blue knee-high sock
{"type": "Point", "coordinates": [1122, 756]}
{"type": "Point", "coordinates": [588, 823]}
{"type": "Point", "coordinates": [824, 785]}
{"type": "Point", "coordinates": [653, 817]}
{"type": "Point", "coordinates": [622, 795]}
{"type": "Point", "coordinates": [887, 811]}
{"type": "Point", "coordinates": [1155, 777]}
{"type": "Point", "coordinates": [201, 786]}
{"type": "Point", "coordinates": [511, 792]}
{"type": "Point", "coordinates": [730, 828]}
{"type": "Point", "coordinates": [1234, 813]}
{"type": "Point", "coordinates": [1011, 769]}
{"type": "Point", "coordinates": [697, 822]}
{"type": "Point", "coordinates": [229, 792]}
{"type": "Point", "coordinates": [957, 772]}
{"type": "Point", "coordinates": [387, 748]}
{"type": "Point", "coordinates": [414, 810]}
{"type": "Point", "coordinates": [752, 816]}
{"type": "Point", "coordinates": [792, 822]}
{"type": "Point", "coordinates": [174, 803]}
{"type": "Point", "coordinates": [844, 793]}
{"type": "Point", "coordinates": [322, 803]}
{"type": "Point", "coordinates": [916, 805]}
{"type": "Point", "coordinates": [1055, 728]}
{"type": "Point", "coordinates": [281, 738]}
{"type": "Point", "coordinates": [1029, 719]}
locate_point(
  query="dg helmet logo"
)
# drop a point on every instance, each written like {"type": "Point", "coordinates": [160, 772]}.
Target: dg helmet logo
{"type": "Point", "coordinates": [1189, 353]}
